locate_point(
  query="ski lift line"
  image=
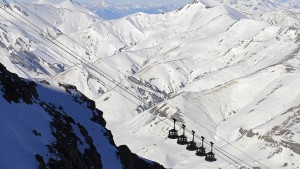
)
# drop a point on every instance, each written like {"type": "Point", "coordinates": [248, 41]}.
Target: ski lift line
{"type": "Point", "coordinates": [219, 156]}
{"type": "Point", "coordinates": [104, 76]}
{"type": "Point", "coordinates": [235, 147]}
{"type": "Point", "coordinates": [37, 32]}
{"type": "Point", "coordinates": [138, 98]}
{"type": "Point", "coordinates": [226, 142]}
{"type": "Point", "coordinates": [220, 152]}
{"type": "Point", "coordinates": [227, 161]}
{"type": "Point", "coordinates": [75, 64]}
{"type": "Point", "coordinates": [223, 151]}
{"type": "Point", "coordinates": [223, 140]}
{"type": "Point", "coordinates": [52, 42]}
{"type": "Point", "coordinates": [228, 156]}
{"type": "Point", "coordinates": [120, 86]}
{"type": "Point", "coordinates": [69, 52]}
{"type": "Point", "coordinates": [117, 85]}
{"type": "Point", "coordinates": [163, 120]}
{"type": "Point", "coordinates": [208, 143]}
{"type": "Point", "coordinates": [19, 28]}
{"type": "Point", "coordinates": [15, 25]}
{"type": "Point", "coordinates": [93, 68]}
{"type": "Point", "coordinates": [102, 59]}
{"type": "Point", "coordinates": [199, 137]}
{"type": "Point", "coordinates": [217, 148]}
{"type": "Point", "coordinates": [109, 64]}
{"type": "Point", "coordinates": [37, 39]}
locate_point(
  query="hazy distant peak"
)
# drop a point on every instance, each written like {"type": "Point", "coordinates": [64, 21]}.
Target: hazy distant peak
{"type": "Point", "coordinates": [109, 10]}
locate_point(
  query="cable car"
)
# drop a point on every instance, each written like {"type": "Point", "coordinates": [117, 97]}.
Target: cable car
{"type": "Point", "coordinates": [173, 134]}
{"type": "Point", "coordinates": [210, 156]}
{"type": "Point", "coordinates": [192, 144]}
{"type": "Point", "coordinates": [182, 140]}
{"type": "Point", "coordinates": [201, 150]}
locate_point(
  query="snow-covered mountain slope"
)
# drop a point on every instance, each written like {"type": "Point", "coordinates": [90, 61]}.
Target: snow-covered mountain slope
{"type": "Point", "coordinates": [279, 13]}
{"type": "Point", "coordinates": [261, 5]}
{"type": "Point", "coordinates": [231, 77]}
{"type": "Point", "coordinates": [266, 4]}
{"type": "Point", "coordinates": [108, 10]}
{"type": "Point", "coordinates": [46, 127]}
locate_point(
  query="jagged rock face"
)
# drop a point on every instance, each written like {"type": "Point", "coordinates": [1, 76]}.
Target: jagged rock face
{"type": "Point", "coordinates": [73, 144]}
{"type": "Point", "coordinates": [21, 90]}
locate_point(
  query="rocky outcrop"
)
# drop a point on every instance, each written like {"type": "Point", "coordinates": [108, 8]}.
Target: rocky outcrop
{"type": "Point", "coordinates": [74, 147]}
{"type": "Point", "coordinates": [15, 89]}
{"type": "Point", "coordinates": [132, 161]}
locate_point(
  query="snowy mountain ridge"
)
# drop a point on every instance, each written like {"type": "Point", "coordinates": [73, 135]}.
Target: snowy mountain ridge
{"type": "Point", "coordinates": [275, 12]}
{"type": "Point", "coordinates": [258, 5]}
{"type": "Point", "coordinates": [206, 65]}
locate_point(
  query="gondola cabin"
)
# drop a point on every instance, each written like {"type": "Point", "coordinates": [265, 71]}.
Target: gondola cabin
{"type": "Point", "coordinates": [210, 156]}
{"type": "Point", "coordinates": [192, 146]}
{"type": "Point", "coordinates": [182, 140]}
{"type": "Point", "coordinates": [201, 150]}
{"type": "Point", "coordinates": [173, 133]}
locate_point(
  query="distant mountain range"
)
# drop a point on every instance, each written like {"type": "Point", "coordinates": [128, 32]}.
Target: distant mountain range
{"type": "Point", "coordinates": [259, 6]}
{"type": "Point", "coordinates": [108, 10]}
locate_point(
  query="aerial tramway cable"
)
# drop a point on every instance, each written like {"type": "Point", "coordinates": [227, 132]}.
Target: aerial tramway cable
{"type": "Point", "coordinates": [90, 53]}
{"type": "Point", "coordinates": [85, 64]}
{"type": "Point", "coordinates": [113, 81]}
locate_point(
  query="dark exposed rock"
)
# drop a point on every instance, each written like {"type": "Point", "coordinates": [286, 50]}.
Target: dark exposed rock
{"type": "Point", "coordinates": [98, 118]}
{"type": "Point", "coordinates": [68, 88]}
{"type": "Point", "coordinates": [92, 157]}
{"type": "Point", "coordinates": [132, 161]}
{"type": "Point", "coordinates": [110, 137]}
{"type": "Point", "coordinates": [16, 89]}
{"type": "Point", "coordinates": [81, 99]}
{"type": "Point", "coordinates": [36, 133]}
{"type": "Point", "coordinates": [41, 161]}
{"type": "Point", "coordinates": [66, 145]}
{"type": "Point", "coordinates": [45, 82]}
